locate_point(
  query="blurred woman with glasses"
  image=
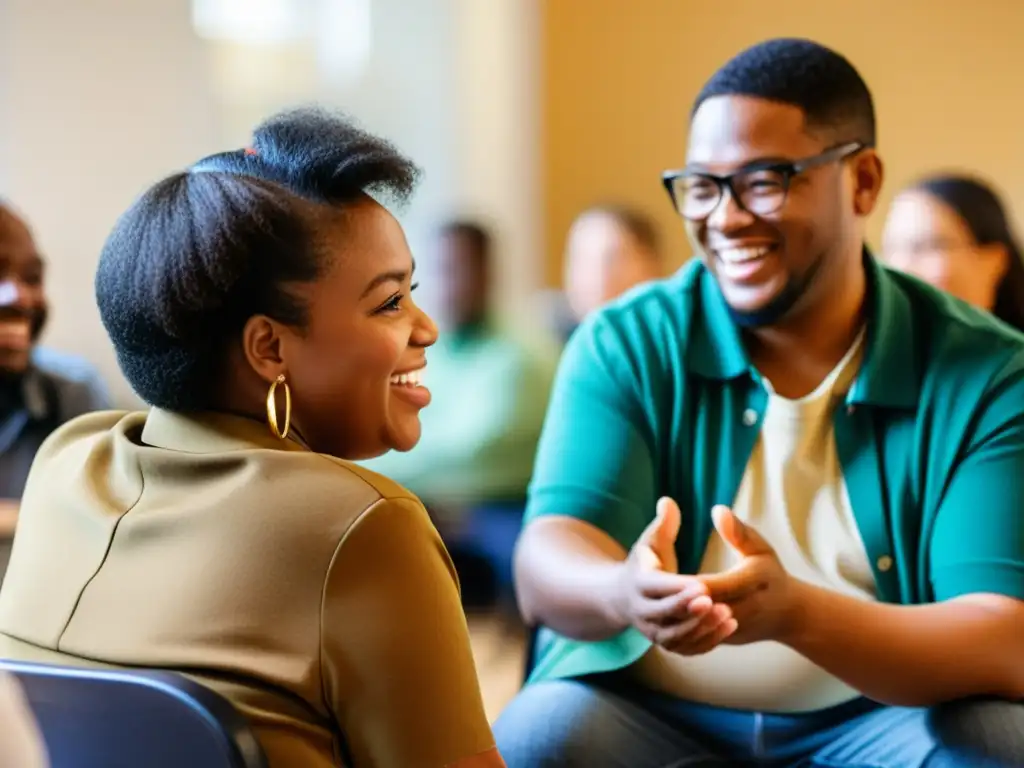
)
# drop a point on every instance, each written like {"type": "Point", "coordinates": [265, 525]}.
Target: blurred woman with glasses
{"type": "Point", "coordinates": [953, 231]}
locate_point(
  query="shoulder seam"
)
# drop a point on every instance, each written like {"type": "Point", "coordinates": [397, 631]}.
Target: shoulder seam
{"type": "Point", "coordinates": [323, 587]}
{"type": "Point", "coordinates": [381, 496]}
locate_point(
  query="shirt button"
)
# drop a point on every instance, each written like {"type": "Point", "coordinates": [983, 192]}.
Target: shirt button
{"type": "Point", "coordinates": [750, 417]}
{"type": "Point", "coordinates": [884, 563]}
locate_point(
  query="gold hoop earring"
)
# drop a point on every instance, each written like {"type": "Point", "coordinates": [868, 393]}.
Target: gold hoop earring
{"type": "Point", "coordinates": [272, 408]}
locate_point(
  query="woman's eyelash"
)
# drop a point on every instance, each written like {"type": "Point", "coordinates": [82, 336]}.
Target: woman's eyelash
{"type": "Point", "coordinates": [395, 302]}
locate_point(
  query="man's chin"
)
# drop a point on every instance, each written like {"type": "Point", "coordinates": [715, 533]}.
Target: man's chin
{"type": "Point", "coordinates": [766, 312]}
{"type": "Point", "coordinates": [14, 362]}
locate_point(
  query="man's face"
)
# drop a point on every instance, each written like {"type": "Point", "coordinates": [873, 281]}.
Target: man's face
{"type": "Point", "coordinates": [768, 265]}
{"type": "Point", "coordinates": [22, 300]}
{"type": "Point", "coordinates": [463, 281]}
{"type": "Point", "coordinates": [602, 261]}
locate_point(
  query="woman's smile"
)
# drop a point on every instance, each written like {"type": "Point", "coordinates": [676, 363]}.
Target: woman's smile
{"type": "Point", "coordinates": [408, 385]}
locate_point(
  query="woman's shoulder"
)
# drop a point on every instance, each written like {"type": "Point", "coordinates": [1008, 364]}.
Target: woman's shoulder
{"type": "Point", "coordinates": [381, 487]}
{"type": "Point", "coordinates": [85, 431]}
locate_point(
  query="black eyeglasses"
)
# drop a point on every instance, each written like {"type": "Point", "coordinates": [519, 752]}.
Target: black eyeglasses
{"type": "Point", "coordinates": [759, 188]}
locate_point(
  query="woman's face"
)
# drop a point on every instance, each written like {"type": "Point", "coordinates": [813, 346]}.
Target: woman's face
{"type": "Point", "coordinates": [926, 238]}
{"type": "Point", "coordinates": [355, 370]}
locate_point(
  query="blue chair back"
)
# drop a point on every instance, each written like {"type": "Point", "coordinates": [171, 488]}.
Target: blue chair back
{"type": "Point", "coordinates": [94, 718]}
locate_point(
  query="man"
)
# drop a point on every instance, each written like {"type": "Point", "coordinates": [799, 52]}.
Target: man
{"type": "Point", "coordinates": [776, 515]}
{"type": "Point", "coordinates": [609, 249]}
{"type": "Point", "coordinates": [40, 389]}
{"type": "Point", "coordinates": [490, 391]}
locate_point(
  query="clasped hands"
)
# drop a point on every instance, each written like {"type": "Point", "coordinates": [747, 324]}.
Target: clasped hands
{"type": "Point", "coordinates": [692, 614]}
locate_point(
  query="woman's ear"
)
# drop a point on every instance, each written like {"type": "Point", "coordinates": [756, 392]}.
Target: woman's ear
{"type": "Point", "coordinates": [995, 260]}
{"type": "Point", "coordinates": [263, 345]}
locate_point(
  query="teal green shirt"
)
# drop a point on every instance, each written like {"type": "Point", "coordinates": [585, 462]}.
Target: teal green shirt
{"type": "Point", "coordinates": [655, 397]}
{"type": "Point", "coordinates": [489, 394]}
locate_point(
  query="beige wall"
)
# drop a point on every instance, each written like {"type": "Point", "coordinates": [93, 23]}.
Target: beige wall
{"type": "Point", "coordinates": [947, 76]}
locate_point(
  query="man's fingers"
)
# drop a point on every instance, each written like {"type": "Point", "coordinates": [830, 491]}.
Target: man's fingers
{"type": "Point", "coordinates": [686, 634]}
{"type": "Point", "coordinates": [659, 537]}
{"type": "Point", "coordinates": [673, 608]}
{"type": "Point", "coordinates": [668, 634]}
{"type": "Point", "coordinates": [711, 641]}
{"type": "Point", "coordinates": [656, 584]}
{"type": "Point", "coordinates": [737, 534]}
{"type": "Point", "coordinates": [669, 518]}
{"type": "Point", "coordinates": [735, 584]}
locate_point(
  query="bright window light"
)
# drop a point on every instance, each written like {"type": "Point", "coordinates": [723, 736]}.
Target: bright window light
{"type": "Point", "coordinates": [344, 37]}
{"type": "Point", "coordinates": [255, 22]}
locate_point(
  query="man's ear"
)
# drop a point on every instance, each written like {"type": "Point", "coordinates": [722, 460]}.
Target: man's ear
{"type": "Point", "coordinates": [868, 174]}
{"type": "Point", "coordinates": [263, 346]}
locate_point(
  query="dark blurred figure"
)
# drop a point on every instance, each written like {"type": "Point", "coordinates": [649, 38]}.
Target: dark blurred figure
{"type": "Point", "coordinates": [40, 389]}
{"type": "Point", "coordinates": [490, 391]}
{"type": "Point", "coordinates": [609, 249]}
{"type": "Point", "coordinates": [953, 231]}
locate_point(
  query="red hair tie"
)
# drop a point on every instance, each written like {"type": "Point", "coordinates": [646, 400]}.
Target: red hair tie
{"type": "Point", "coordinates": [250, 151]}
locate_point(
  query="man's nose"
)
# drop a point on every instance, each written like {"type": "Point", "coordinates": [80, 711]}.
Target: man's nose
{"type": "Point", "coordinates": [728, 214]}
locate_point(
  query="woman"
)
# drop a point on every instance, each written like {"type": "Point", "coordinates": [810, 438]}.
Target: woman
{"type": "Point", "coordinates": [260, 304]}
{"type": "Point", "coordinates": [953, 232]}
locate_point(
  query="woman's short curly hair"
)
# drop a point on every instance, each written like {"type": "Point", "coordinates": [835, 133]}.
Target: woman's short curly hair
{"type": "Point", "coordinates": [202, 251]}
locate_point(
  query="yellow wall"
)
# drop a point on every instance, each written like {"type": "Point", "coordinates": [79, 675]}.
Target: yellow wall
{"type": "Point", "coordinates": [619, 77]}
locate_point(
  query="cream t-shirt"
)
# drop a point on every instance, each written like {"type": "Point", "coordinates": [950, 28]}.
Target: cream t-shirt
{"type": "Point", "coordinates": [793, 492]}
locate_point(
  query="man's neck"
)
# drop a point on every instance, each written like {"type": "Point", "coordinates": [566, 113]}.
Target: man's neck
{"type": "Point", "coordinates": [797, 354]}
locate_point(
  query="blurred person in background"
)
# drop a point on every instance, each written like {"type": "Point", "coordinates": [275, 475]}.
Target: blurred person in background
{"type": "Point", "coordinates": [40, 388]}
{"type": "Point", "coordinates": [21, 743]}
{"type": "Point", "coordinates": [953, 231]}
{"type": "Point", "coordinates": [490, 391]}
{"type": "Point", "coordinates": [609, 249]}
{"type": "Point", "coordinates": [260, 303]}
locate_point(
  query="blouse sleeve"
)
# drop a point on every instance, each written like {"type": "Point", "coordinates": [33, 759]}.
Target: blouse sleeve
{"type": "Point", "coordinates": [398, 670]}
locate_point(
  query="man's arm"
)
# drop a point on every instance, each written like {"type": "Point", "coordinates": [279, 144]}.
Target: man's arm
{"type": "Point", "coordinates": [592, 494]}
{"type": "Point", "coordinates": [970, 642]}
{"type": "Point", "coordinates": [566, 574]}
{"type": "Point", "coordinates": [915, 656]}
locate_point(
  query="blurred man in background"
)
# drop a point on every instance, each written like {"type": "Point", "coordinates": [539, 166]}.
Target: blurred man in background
{"type": "Point", "coordinates": [40, 389]}
{"type": "Point", "coordinates": [609, 249]}
{"type": "Point", "coordinates": [490, 392]}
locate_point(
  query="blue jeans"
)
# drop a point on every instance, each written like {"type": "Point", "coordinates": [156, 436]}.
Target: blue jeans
{"type": "Point", "coordinates": [579, 724]}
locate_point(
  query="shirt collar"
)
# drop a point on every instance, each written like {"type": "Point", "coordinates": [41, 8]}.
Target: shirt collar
{"type": "Point", "coordinates": [210, 432]}
{"type": "Point", "coordinates": [891, 372]}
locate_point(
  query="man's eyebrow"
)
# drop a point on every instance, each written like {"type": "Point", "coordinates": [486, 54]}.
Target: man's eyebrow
{"type": "Point", "coordinates": [761, 162]}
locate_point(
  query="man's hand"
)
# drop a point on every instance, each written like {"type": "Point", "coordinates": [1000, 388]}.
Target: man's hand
{"type": "Point", "coordinates": [8, 517]}
{"type": "Point", "coordinates": [759, 591]}
{"type": "Point", "coordinates": [671, 610]}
